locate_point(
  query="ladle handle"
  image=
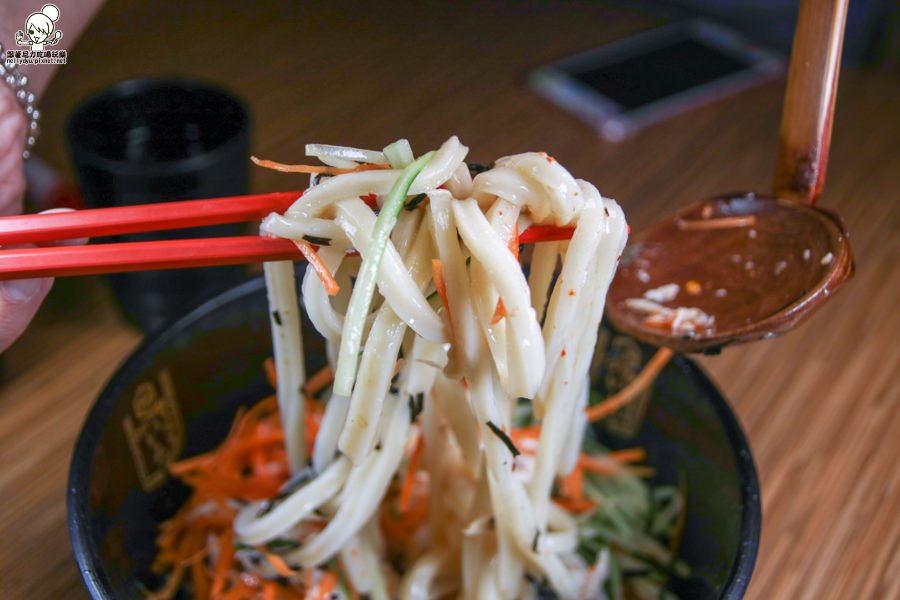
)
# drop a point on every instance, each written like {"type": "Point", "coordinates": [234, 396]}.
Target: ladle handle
{"type": "Point", "coordinates": [809, 100]}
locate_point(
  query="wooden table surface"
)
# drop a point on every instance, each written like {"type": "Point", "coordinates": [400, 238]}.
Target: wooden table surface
{"type": "Point", "coordinates": [819, 405]}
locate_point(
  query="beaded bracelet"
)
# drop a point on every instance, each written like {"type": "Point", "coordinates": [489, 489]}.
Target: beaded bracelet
{"type": "Point", "coordinates": [9, 71]}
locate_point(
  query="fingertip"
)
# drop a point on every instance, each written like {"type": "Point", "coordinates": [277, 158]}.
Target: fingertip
{"type": "Point", "coordinates": [24, 291]}
{"type": "Point", "coordinates": [19, 301]}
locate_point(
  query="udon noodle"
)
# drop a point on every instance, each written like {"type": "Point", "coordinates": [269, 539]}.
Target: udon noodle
{"type": "Point", "coordinates": [439, 340]}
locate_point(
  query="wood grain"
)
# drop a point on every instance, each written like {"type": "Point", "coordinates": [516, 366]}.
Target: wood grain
{"type": "Point", "coordinates": [820, 404]}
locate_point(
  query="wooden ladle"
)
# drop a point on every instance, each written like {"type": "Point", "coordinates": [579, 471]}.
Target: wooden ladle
{"type": "Point", "coordinates": [758, 265]}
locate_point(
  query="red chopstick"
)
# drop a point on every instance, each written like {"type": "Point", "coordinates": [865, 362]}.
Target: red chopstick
{"type": "Point", "coordinates": [141, 256]}
{"type": "Point", "coordinates": [54, 261]}
{"type": "Point", "coordinates": [143, 217]}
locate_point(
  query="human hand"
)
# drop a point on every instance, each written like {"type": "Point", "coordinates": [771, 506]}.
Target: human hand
{"type": "Point", "coordinates": [20, 298]}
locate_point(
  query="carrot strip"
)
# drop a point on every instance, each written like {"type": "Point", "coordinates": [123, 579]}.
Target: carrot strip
{"type": "Point", "coordinates": [572, 485]}
{"type": "Point", "coordinates": [371, 200]}
{"type": "Point", "coordinates": [529, 432]}
{"type": "Point", "coordinates": [223, 563]}
{"type": "Point", "coordinates": [288, 592]}
{"type": "Point", "coordinates": [628, 455]}
{"type": "Point", "coordinates": [200, 581]}
{"type": "Point", "coordinates": [598, 464]}
{"type": "Point", "coordinates": [270, 590]}
{"type": "Point", "coordinates": [513, 245]}
{"type": "Point", "coordinates": [240, 591]}
{"type": "Point", "coordinates": [313, 422]}
{"type": "Point", "coordinates": [195, 463]}
{"type": "Point", "coordinates": [612, 465]}
{"type": "Point", "coordinates": [331, 285]}
{"type": "Point", "coordinates": [643, 380]}
{"type": "Point", "coordinates": [277, 563]}
{"type": "Point", "coordinates": [409, 479]}
{"type": "Point", "coordinates": [499, 312]}
{"type": "Point", "coordinates": [437, 268]}
{"type": "Point", "coordinates": [398, 366]}
{"type": "Point", "coordinates": [327, 584]}
{"type": "Point", "coordinates": [271, 372]}
{"type": "Point", "coordinates": [319, 380]}
{"type": "Point", "coordinates": [259, 462]}
{"type": "Point", "coordinates": [312, 169]}
{"type": "Point", "coordinates": [721, 223]}
{"type": "Point", "coordinates": [171, 586]}
{"type": "Point", "coordinates": [640, 470]}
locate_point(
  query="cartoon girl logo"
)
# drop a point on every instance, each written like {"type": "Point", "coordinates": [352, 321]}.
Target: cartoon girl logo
{"type": "Point", "coordinates": [39, 29]}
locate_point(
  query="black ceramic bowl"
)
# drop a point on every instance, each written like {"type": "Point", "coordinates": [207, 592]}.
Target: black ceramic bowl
{"type": "Point", "coordinates": [177, 395]}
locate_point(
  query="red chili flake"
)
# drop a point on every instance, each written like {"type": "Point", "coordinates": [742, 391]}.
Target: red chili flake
{"type": "Point", "coordinates": [563, 353]}
{"type": "Point", "coordinates": [500, 212]}
{"type": "Point", "coordinates": [629, 229]}
{"type": "Point", "coordinates": [370, 199]}
{"type": "Point", "coordinates": [571, 292]}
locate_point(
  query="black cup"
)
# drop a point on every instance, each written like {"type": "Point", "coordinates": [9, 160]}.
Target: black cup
{"type": "Point", "coordinates": [160, 140]}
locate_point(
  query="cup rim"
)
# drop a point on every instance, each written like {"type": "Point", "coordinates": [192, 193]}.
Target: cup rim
{"type": "Point", "coordinates": [135, 86]}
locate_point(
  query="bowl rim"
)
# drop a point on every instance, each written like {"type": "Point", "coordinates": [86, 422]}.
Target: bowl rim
{"type": "Point", "coordinates": [86, 548]}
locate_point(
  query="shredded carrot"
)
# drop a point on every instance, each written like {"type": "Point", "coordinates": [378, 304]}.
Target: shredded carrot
{"type": "Point", "coordinates": [194, 463]}
{"type": "Point", "coordinates": [639, 470]}
{"type": "Point", "coordinates": [530, 431]}
{"type": "Point", "coordinates": [171, 586]}
{"type": "Point", "coordinates": [271, 372]}
{"type": "Point", "coordinates": [223, 563]}
{"type": "Point", "coordinates": [312, 169]}
{"type": "Point", "coordinates": [514, 242]}
{"type": "Point", "coordinates": [200, 581]}
{"type": "Point", "coordinates": [499, 312]}
{"type": "Point", "coordinates": [370, 200]}
{"type": "Point", "coordinates": [598, 464]}
{"type": "Point", "coordinates": [240, 591]}
{"type": "Point", "coordinates": [314, 412]}
{"type": "Point", "coordinates": [308, 579]}
{"type": "Point", "coordinates": [319, 380]}
{"type": "Point", "coordinates": [615, 462]}
{"type": "Point", "coordinates": [327, 584]}
{"type": "Point", "coordinates": [277, 563]}
{"type": "Point", "coordinates": [513, 245]}
{"type": "Point", "coordinates": [270, 590]}
{"type": "Point", "coordinates": [397, 366]}
{"type": "Point", "coordinates": [644, 379]}
{"type": "Point", "coordinates": [331, 286]}
{"type": "Point", "coordinates": [525, 438]}
{"type": "Point", "coordinates": [628, 455]}
{"type": "Point", "coordinates": [409, 479]}
{"type": "Point", "coordinates": [438, 274]}
{"type": "Point", "coordinates": [572, 485]}
{"type": "Point", "coordinates": [290, 593]}
{"type": "Point", "coordinates": [721, 223]}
